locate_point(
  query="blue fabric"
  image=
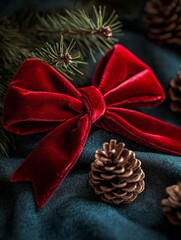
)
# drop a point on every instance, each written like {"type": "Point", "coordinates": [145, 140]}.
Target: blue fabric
{"type": "Point", "coordinates": [75, 212]}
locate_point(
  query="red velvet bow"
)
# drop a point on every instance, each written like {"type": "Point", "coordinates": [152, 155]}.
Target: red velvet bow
{"type": "Point", "coordinates": [40, 99]}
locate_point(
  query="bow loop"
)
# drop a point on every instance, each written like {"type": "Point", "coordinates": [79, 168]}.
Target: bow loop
{"type": "Point", "coordinates": [39, 99]}
{"type": "Point", "coordinates": [93, 101]}
{"type": "Point", "coordinates": [125, 81]}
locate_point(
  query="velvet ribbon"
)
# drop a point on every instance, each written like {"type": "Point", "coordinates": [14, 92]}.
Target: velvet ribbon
{"type": "Point", "coordinates": [40, 99]}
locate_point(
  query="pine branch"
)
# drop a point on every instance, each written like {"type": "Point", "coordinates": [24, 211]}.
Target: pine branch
{"type": "Point", "coordinates": [90, 33]}
{"type": "Point", "coordinates": [12, 47]}
{"type": "Point", "coordinates": [12, 51]}
{"type": "Point", "coordinates": [7, 141]}
{"type": "Point", "coordinates": [66, 59]}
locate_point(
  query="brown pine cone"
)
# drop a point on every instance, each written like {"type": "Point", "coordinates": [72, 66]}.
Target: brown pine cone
{"type": "Point", "coordinates": [163, 19]}
{"type": "Point", "coordinates": [116, 174]}
{"type": "Point", "coordinates": [172, 204]}
{"type": "Point", "coordinates": [175, 93]}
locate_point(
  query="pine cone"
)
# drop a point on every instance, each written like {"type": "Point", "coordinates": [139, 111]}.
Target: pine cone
{"type": "Point", "coordinates": [175, 93]}
{"type": "Point", "coordinates": [172, 204]}
{"type": "Point", "coordinates": [163, 19]}
{"type": "Point", "coordinates": [116, 174]}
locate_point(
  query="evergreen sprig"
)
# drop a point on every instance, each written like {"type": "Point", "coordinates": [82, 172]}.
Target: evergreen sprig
{"type": "Point", "coordinates": [91, 33]}
{"type": "Point", "coordinates": [7, 141]}
{"type": "Point", "coordinates": [13, 49]}
{"type": "Point", "coordinates": [66, 59]}
{"type": "Point", "coordinates": [13, 46]}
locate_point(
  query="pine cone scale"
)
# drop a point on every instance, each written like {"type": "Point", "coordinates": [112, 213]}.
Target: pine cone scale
{"type": "Point", "coordinates": [134, 165]}
{"type": "Point", "coordinates": [95, 177]}
{"type": "Point", "coordinates": [119, 194]}
{"type": "Point", "coordinates": [178, 216]}
{"type": "Point", "coordinates": [130, 188]}
{"type": "Point", "coordinates": [136, 177]}
{"type": "Point", "coordinates": [108, 197]}
{"type": "Point", "coordinates": [175, 107]}
{"type": "Point", "coordinates": [98, 163]}
{"type": "Point", "coordinates": [140, 186]}
{"type": "Point", "coordinates": [175, 194]}
{"type": "Point", "coordinates": [173, 202]}
{"type": "Point", "coordinates": [172, 220]}
{"type": "Point", "coordinates": [128, 197]}
{"type": "Point", "coordinates": [119, 185]}
{"type": "Point", "coordinates": [174, 83]}
{"type": "Point", "coordinates": [109, 168]}
{"type": "Point", "coordinates": [107, 177]}
{"type": "Point", "coordinates": [120, 171]}
{"type": "Point", "coordinates": [106, 189]}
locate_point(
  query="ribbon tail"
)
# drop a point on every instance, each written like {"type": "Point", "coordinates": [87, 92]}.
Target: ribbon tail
{"type": "Point", "coordinates": [53, 158]}
{"type": "Point", "coordinates": [143, 129]}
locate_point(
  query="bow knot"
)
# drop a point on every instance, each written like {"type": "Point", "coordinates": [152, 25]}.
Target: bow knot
{"type": "Point", "coordinates": [94, 102]}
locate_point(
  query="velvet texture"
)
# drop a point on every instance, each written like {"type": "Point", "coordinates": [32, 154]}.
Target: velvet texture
{"type": "Point", "coordinates": [39, 99]}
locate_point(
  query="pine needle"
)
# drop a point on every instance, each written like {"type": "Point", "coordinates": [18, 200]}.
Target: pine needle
{"type": "Point", "coordinates": [90, 32]}
{"type": "Point", "coordinates": [66, 59]}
